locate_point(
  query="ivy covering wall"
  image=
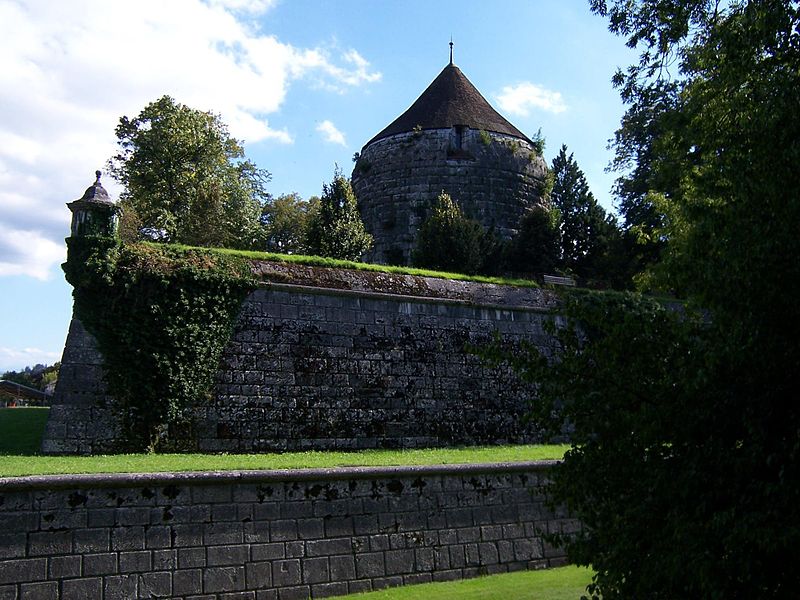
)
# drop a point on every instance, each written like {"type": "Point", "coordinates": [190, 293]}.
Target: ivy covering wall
{"type": "Point", "coordinates": [161, 317]}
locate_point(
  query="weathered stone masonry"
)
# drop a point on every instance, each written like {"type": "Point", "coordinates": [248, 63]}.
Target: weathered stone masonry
{"type": "Point", "coordinates": [330, 358]}
{"type": "Point", "coordinates": [495, 179]}
{"type": "Point", "coordinates": [262, 534]}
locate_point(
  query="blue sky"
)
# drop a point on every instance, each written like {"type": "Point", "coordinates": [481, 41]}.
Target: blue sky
{"type": "Point", "coordinates": [305, 83]}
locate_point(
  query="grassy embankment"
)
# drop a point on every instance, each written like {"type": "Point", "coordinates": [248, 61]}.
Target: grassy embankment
{"type": "Point", "coordinates": [320, 261]}
{"type": "Point", "coordinates": [21, 432]}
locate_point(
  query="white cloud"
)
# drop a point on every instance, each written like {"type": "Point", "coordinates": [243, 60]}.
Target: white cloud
{"type": "Point", "coordinates": [71, 69]}
{"type": "Point", "coordinates": [28, 253]}
{"type": "Point", "coordinates": [330, 133]}
{"type": "Point", "coordinates": [250, 6]}
{"type": "Point", "coordinates": [11, 359]}
{"type": "Point", "coordinates": [520, 99]}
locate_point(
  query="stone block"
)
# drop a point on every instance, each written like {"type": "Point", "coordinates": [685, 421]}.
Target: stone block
{"type": "Point", "coordinates": [329, 547]}
{"type": "Point", "coordinates": [46, 590]}
{"type": "Point", "coordinates": [223, 533]}
{"type": "Point", "coordinates": [448, 575]}
{"type": "Point", "coordinates": [316, 570]}
{"type": "Point", "coordinates": [238, 596]}
{"type": "Point", "coordinates": [61, 567]}
{"type": "Point", "coordinates": [259, 552]}
{"type": "Point", "coordinates": [505, 550]}
{"type": "Point", "coordinates": [82, 589]}
{"type": "Point", "coordinates": [121, 587]}
{"type": "Point", "coordinates": [158, 536]}
{"type": "Point", "coordinates": [417, 578]}
{"type": "Point", "coordinates": [127, 538]}
{"type": "Point", "coordinates": [189, 558]}
{"type": "Point", "coordinates": [139, 562]}
{"type": "Point", "coordinates": [223, 579]}
{"type": "Point", "coordinates": [259, 575]}
{"type": "Point", "coordinates": [186, 582]}
{"type": "Point", "coordinates": [300, 592]}
{"type": "Point", "coordinates": [92, 540]}
{"type": "Point", "coordinates": [370, 564]}
{"type": "Point", "coordinates": [13, 545]}
{"type": "Point", "coordinates": [380, 583]}
{"type": "Point", "coordinates": [211, 494]}
{"type": "Point", "coordinates": [127, 517]}
{"type": "Point", "coordinates": [100, 517]}
{"type": "Point", "coordinates": [256, 532]}
{"type": "Point", "coordinates": [310, 529]}
{"type": "Point", "coordinates": [99, 564]}
{"type": "Point", "coordinates": [47, 543]}
{"type": "Point", "coordinates": [424, 559]}
{"type": "Point", "coordinates": [23, 570]}
{"type": "Point", "coordinates": [155, 585]}
{"type": "Point", "coordinates": [227, 555]}
{"type": "Point", "coordinates": [399, 561]}
{"type": "Point", "coordinates": [379, 542]}
{"type": "Point", "coordinates": [339, 526]}
{"type": "Point", "coordinates": [286, 573]}
{"type": "Point", "coordinates": [165, 560]}
{"type": "Point", "coordinates": [187, 535]}
{"type": "Point", "coordinates": [342, 568]}
{"type": "Point", "coordinates": [283, 530]}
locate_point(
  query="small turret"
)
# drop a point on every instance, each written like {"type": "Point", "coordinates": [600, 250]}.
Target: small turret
{"type": "Point", "coordinates": [94, 213]}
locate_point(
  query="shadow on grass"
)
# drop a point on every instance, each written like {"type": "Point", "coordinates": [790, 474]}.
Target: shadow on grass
{"type": "Point", "coordinates": [21, 430]}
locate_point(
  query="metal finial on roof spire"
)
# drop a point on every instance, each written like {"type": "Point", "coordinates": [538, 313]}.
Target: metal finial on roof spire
{"type": "Point", "coordinates": [97, 174]}
{"type": "Point", "coordinates": [451, 49]}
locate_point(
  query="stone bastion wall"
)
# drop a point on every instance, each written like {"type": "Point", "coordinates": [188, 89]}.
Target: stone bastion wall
{"type": "Point", "coordinates": [270, 534]}
{"type": "Point", "coordinates": [339, 359]}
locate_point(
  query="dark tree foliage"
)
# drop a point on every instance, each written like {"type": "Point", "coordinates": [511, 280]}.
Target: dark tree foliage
{"type": "Point", "coordinates": [186, 179]}
{"type": "Point", "coordinates": [685, 467]}
{"type": "Point", "coordinates": [587, 234]}
{"type": "Point", "coordinates": [335, 228]}
{"type": "Point", "coordinates": [535, 248]}
{"type": "Point", "coordinates": [449, 241]}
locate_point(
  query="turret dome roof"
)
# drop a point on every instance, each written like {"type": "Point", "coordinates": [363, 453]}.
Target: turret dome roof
{"type": "Point", "coordinates": [450, 100]}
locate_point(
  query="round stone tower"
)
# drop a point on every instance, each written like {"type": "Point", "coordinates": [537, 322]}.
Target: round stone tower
{"type": "Point", "coordinates": [449, 140]}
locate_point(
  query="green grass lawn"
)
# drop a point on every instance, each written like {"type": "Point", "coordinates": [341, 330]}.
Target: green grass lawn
{"type": "Point", "coordinates": [563, 583]}
{"type": "Point", "coordinates": [21, 431]}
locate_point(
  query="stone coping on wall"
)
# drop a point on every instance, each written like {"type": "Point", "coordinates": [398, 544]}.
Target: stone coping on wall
{"type": "Point", "coordinates": [409, 287]}
{"type": "Point", "coordinates": [114, 480]}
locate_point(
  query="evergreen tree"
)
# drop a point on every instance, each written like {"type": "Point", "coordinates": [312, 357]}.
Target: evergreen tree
{"type": "Point", "coordinates": [535, 248]}
{"type": "Point", "coordinates": [335, 229]}
{"type": "Point", "coordinates": [449, 241]}
{"type": "Point", "coordinates": [587, 233]}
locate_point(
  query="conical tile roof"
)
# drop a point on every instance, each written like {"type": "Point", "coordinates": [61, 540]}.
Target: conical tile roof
{"type": "Point", "coordinates": [450, 100]}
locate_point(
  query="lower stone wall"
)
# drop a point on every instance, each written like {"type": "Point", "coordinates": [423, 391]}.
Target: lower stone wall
{"type": "Point", "coordinates": [270, 534]}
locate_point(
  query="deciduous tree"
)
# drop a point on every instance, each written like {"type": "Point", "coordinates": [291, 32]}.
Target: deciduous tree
{"type": "Point", "coordinates": [685, 466]}
{"type": "Point", "coordinates": [186, 178]}
{"type": "Point", "coordinates": [285, 219]}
